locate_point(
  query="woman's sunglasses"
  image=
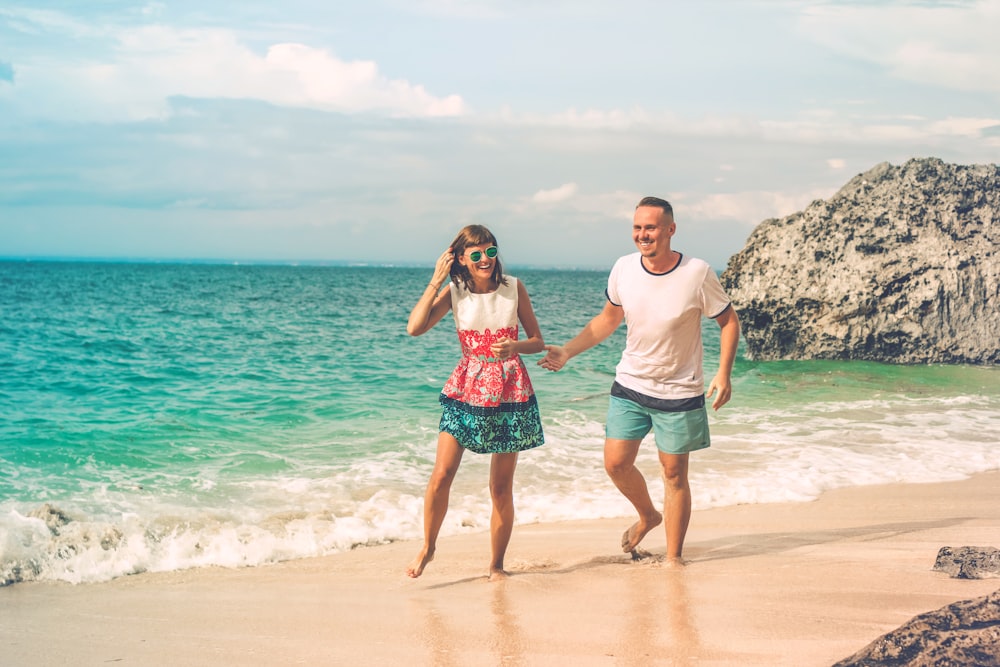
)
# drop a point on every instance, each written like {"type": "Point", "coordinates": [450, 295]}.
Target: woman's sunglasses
{"type": "Point", "coordinates": [477, 255]}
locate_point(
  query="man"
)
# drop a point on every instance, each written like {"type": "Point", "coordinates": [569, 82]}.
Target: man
{"type": "Point", "coordinates": [659, 383]}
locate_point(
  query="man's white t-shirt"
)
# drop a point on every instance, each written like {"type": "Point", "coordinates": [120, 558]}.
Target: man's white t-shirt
{"type": "Point", "coordinates": [663, 311]}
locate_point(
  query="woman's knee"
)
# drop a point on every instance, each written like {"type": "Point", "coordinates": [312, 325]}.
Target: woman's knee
{"type": "Point", "coordinates": [442, 477]}
{"type": "Point", "coordinates": [502, 490]}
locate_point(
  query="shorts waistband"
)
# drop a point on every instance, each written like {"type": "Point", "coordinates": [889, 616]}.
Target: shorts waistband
{"type": "Point", "coordinates": [661, 404]}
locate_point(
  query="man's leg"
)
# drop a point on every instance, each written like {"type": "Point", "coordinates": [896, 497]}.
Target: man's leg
{"type": "Point", "coordinates": [619, 462]}
{"type": "Point", "coordinates": [676, 502]}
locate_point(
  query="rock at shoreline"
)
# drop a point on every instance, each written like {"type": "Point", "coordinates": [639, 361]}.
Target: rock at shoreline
{"type": "Point", "coordinates": [53, 517]}
{"type": "Point", "coordinates": [901, 265]}
{"type": "Point", "coordinates": [968, 562]}
{"type": "Point", "coordinates": [958, 635]}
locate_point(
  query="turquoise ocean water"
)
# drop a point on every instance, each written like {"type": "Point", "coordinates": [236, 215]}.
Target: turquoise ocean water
{"type": "Point", "coordinates": [164, 416]}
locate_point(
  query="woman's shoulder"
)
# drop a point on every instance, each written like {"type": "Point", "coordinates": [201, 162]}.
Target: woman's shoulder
{"type": "Point", "coordinates": [509, 283]}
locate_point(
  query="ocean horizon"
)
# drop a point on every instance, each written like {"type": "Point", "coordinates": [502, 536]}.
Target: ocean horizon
{"type": "Point", "coordinates": [164, 414]}
{"type": "Point", "coordinates": [224, 261]}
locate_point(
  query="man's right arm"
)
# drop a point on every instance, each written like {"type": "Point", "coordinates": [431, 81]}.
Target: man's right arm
{"type": "Point", "coordinates": [599, 328]}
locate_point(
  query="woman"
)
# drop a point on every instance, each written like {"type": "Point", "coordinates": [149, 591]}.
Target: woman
{"type": "Point", "coordinates": [488, 403]}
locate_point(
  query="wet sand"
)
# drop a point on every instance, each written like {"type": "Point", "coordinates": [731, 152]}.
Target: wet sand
{"type": "Point", "coordinates": [779, 584]}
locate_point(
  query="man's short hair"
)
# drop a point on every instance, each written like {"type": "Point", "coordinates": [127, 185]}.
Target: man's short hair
{"type": "Point", "coordinates": [658, 203]}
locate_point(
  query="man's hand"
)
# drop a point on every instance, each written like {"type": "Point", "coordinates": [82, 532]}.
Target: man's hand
{"type": "Point", "coordinates": [555, 358]}
{"type": "Point", "coordinates": [722, 384]}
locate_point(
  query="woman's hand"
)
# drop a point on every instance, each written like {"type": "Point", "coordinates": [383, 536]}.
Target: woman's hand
{"type": "Point", "coordinates": [503, 348]}
{"type": "Point", "coordinates": [433, 303]}
{"type": "Point", "coordinates": [442, 269]}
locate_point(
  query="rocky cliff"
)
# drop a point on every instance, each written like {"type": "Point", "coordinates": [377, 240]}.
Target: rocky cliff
{"type": "Point", "coordinates": [901, 265]}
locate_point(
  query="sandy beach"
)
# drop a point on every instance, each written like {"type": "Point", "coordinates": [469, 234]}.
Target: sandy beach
{"type": "Point", "coordinates": [773, 584]}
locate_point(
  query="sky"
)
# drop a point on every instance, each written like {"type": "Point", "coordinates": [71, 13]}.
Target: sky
{"type": "Point", "coordinates": [371, 131]}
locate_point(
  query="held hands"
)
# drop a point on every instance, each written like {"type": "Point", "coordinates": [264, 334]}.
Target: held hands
{"type": "Point", "coordinates": [555, 358]}
{"type": "Point", "coordinates": [721, 383]}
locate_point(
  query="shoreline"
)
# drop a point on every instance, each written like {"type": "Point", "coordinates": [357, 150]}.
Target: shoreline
{"type": "Point", "coordinates": [766, 584]}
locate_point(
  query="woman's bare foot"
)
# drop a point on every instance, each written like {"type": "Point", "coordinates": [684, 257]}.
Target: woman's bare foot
{"type": "Point", "coordinates": [638, 530]}
{"type": "Point", "coordinates": [416, 568]}
{"type": "Point", "coordinates": [497, 574]}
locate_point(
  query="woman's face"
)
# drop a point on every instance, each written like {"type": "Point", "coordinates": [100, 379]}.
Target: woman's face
{"type": "Point", "coordinates": [476, 258]}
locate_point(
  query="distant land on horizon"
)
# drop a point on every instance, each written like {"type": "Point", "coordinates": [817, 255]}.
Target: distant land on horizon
{"type": "Point", "coordinates": [214, 261]}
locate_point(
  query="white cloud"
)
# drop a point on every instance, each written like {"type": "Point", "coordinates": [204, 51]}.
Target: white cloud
{"type": "Point", "coordinates": [153, 9]}
{"type": "Point", "coordinates": [964, 127]}
{"type": "Point", "coordinates": [836, 163]}
{"type": "Point", "coordinates": [661, 122]}
{"type": "Point", "coordinates": [560, 194]}
{"type": "Point", "coordinates": [320, 80]}
{"type": "Point", "coordinates": [865, 130]}
{"type": "Point", "coordinates": [596, 130]}
{"type": "Point", "coordinates": [496, 9]}
{"type": "Point", "coordinates": [603, 206]}
{"type": "Point", "coordinates": [469, 9]}
{"type": "Point", "coordinates": [746, 207]}
{"type": "Point", "coordinates": [951, 45]}
{"type": "Point", "coordinates": [151, 64]}
{"type": "Point", "coordinates": [40, 21]}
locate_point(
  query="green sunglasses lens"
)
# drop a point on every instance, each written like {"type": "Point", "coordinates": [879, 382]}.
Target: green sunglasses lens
{"type": "Point", "coordinates": [476, 255]}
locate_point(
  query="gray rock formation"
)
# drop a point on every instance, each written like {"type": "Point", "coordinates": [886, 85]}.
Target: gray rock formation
{"type": "Point", "coordinates": [958, 635]}
{"type": "Point", "coordinates": [901, 265]}
{"type": "Point", "coordinates": [53, 517]}
{"type": "Point", "coordinates": [968, 562]}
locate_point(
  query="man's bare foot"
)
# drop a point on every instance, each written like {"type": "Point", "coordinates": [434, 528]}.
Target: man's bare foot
{"type": "Point", "coordinates": [416, 568]}
{"type": "Point", "coordinates": [497, 575]}
{"type": "Point", "coordinates": [638, 530]}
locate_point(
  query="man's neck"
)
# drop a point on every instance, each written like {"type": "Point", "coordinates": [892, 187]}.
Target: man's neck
{"type": "Point", "coordinates": [667, 262]}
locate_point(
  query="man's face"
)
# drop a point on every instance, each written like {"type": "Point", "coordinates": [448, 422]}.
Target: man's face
{"type": "Point", "coordinates": [652, 228]}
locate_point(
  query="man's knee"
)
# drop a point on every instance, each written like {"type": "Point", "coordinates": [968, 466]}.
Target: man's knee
{"type": "Point", "coordinates": [674, 470]}
{"type": "Point", "coordinates": [675, 481]}
{"type": "Point", "coordinates": [616, 468]}
{"type": "Point", "coordinates": [619, 457]}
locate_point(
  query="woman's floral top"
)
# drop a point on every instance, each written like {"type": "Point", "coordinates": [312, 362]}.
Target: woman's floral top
{"type": "Point", "coordinates": [489, 403]}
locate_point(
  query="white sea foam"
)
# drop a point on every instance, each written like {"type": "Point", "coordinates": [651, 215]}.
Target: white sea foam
{"type": "Point", "coordinates": [756, 457]}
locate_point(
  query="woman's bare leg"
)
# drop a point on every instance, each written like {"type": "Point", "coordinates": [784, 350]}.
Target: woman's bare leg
{"type": "Point", "coordinates": [449, 455]}
{"type": "Point", "coordinates": [502, 519]}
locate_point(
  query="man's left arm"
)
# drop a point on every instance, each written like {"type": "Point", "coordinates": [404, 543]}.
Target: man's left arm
{"type": "Point", "coordinates": [729, 339]}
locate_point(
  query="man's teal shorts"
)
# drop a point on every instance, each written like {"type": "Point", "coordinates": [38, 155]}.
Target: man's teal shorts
{"type": "Point", "coordinates": [675, 432]}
